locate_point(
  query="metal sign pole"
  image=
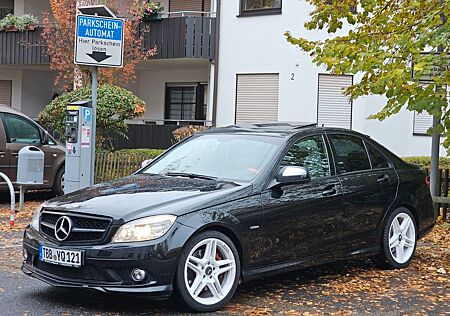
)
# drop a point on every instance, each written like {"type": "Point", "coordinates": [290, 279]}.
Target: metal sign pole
{"type": "Point", "coordinates": [94, 121]}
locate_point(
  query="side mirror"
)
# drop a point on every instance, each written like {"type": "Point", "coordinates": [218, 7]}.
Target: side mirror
{"type": "Point", "coordinates": [45, 138]}
{"type": "Point", "coordinates": [292, 175]}
{"type": "Point", "coordinates": [146, 162]}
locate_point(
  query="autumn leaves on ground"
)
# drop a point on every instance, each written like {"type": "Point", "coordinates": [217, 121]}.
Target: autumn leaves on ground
{"type": "Point", "coordinates": [353, 287]}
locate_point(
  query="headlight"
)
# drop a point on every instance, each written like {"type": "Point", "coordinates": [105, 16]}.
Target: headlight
{"type": "Point", "coordinates": [146, 228]}
{"type": "Point", "coordinates": [35, 219]}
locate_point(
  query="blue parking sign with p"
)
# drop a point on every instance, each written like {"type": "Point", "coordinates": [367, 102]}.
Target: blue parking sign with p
{"type": "Point", "coordinates": [87, 115]}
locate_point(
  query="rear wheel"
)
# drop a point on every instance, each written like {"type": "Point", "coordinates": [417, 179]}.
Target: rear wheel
{"type": "Point", "coordinates": [208, 272]}
{"type": "Point", "coordinates": [58, 184]}
{"type": "Point", "coordinates": [399, 239]}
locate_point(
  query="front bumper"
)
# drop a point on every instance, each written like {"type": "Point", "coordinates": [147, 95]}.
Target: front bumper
{"type": "Point", "coordinates": [108, 267]}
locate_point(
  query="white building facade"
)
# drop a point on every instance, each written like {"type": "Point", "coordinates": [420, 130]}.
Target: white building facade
{"type": "Point", "coordinates": [220, 62]}
{"type": "Point", "coordinates": [263, 77]}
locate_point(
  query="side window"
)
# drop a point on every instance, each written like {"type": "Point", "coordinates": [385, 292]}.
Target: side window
{"type": "Point", "coordinates": [378, 160]}
{"type": "Point", "coordinates": [20, 130]}
{"type": "Point", "coordinates": [310, 153]}
{"type": "Point", "coordinates": [349, 153]}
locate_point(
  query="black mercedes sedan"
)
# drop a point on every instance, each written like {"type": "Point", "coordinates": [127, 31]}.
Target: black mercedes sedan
{"type": "Point", "coordinates": [229, 205]}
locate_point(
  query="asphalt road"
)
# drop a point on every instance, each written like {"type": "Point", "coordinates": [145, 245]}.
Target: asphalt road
{"type": "Point", "coordinates": [331, 289]}
{"type": "Point", "coordinates": [344, 288]}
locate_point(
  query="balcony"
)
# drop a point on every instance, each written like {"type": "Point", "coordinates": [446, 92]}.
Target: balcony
{"type": "Point", "coordinates": [182, 37]}
{"type": "Point", "coordinates": [23, 48]}
{"type": "Point", "coordinates": [175, 37]}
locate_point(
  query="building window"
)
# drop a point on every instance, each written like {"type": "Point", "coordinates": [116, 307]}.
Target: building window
{"type": "Point", "coordinates": [186, 102]}
{"type": "Point", "coordinates": [257, 98]}
{"type": "Point", "coordinates": [334, 109]}
{"type": "Point", "coordinates": [260, 7]}
{"type": "Point", "coordinates": [422, 122]}
{"type": "Point", "coordinates": [6, 7]}
{"type": "Point", "coordinates": [5, 92]}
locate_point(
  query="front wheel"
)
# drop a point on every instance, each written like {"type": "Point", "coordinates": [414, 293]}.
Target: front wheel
{"type": "Point", "coordinates": [58, 185]}
{"type": "Point", "coordinates": [399, 239]}
{"type": "Point", "coordinates": [208, 272]}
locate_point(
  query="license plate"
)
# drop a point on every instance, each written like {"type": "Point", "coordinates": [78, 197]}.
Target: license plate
{"type": "Point", "coordinates": [62, 257]}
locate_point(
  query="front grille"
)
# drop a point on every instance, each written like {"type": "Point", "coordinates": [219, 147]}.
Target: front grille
{"type": "Point", "coordinates": [87, 272]}
{"type": "Point", "coordinates": [85, 228]}
{"type": "Point", "coordinates": [92, 274]}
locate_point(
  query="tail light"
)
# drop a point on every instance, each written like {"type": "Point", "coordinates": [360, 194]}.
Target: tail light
{"type": "Point", "coordinates": [427, 181]}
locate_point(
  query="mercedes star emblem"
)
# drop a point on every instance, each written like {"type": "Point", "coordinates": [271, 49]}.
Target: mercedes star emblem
{"type": "Point", "coordinates": [62, 228]}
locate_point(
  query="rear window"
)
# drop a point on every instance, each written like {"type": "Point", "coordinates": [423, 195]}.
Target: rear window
{"type": "Point", "coordinates": [378, 160]}
{"type": "Point", "coordinates": [349, 154]}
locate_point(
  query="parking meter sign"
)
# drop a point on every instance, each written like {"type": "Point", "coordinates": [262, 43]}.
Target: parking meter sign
{"type": "Point", "coordinates": [87, 114]}
{"type": "Point", "coordinates": [99, 41]}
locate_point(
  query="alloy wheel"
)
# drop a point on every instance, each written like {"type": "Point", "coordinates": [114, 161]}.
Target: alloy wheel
{"type": "Point", "coordinates": [210, 271]}
{"type": "Point", "coordinates": [402, 238]}
{"type": "Point", "coordinates": [62, 182]}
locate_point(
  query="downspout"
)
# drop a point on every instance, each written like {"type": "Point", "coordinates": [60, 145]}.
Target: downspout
{"type": "Point", "coordinates": [216, 63]}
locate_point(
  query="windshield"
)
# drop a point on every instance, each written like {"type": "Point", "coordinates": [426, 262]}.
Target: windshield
{"type": "Point", "coordinates": [238, 158]}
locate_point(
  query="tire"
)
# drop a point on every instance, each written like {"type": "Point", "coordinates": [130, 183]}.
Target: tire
{"type": "Point", "coordinates": [399, 240]}
{"type": "Point", "coordinates": [58, 184]}
{"type": "Point", "coordinates": [199, 282]}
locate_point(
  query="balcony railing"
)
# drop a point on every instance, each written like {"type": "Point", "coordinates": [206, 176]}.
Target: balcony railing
{"type": "Point", "coordinates": [182, 37]}
{"type": "Point", "coordinates": [23, 48]}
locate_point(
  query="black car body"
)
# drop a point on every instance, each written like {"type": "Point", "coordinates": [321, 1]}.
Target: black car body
{"type": "Point", "coordinates": [275, 227]}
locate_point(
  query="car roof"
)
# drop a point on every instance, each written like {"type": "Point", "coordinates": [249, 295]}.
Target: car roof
{"type": "Point", "coordinates": [275, 128]}
{"type": "Point", "coordinates": [280, 129]}
{"type": "Point", "coordinates": [8, 109]}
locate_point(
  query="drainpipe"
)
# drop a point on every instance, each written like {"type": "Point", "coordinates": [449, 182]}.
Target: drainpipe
{"type": "Point", "coordinates": [216, 63]}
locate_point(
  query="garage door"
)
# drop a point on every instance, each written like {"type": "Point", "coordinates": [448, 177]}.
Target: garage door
{"type": "Point", "coordinates": [334, 108]}
{"type": "Point", "coordinates": [5, 92]}
{"type": "Point", "coordinates": [257, 98]}
{"type": "Point", "coordinates": [422, 122]}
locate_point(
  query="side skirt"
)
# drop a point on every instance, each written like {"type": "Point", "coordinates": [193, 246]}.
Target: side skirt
{"type": "Point", "coordinates": [280, 268]}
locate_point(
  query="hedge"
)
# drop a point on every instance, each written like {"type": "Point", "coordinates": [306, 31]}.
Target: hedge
{"type": "Point", "coordinates": [150, 153]}
{"type": "Point", "coordinates": [425, 161]}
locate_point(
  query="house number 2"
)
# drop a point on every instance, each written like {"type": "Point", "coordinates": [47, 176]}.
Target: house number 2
{"type": "Point", "coordinates": [292, 76]}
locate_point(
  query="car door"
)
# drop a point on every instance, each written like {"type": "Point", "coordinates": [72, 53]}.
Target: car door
{"type": "Point", "coordinates": [370, 186]}
{"type": "Point", "coordinates": [303, 220]}
{"type": "Point", "coordinates": [21, 132]}
{"type": "Point", "coordinates": [4, 157]}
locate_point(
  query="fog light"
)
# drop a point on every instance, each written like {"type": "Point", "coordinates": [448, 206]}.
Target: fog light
{"type": "Point", "coordinates": [24, 254]}
{"type": "Point", "coordinates": [138, 275]}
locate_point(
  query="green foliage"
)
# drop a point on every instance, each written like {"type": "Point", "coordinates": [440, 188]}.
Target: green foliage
{"type": "Point", "coordinates": [187, 131]}
{"type": "Point", "coordinates": [114, 106]}
{"type": "Point", "coordinates": [147, 152]}
{"type": "Point", "coordinates": [19, 22]}
{"type": "Point", "coordinates": [425, 161]}
{"type": "Point", "coordinates": [384, 40]}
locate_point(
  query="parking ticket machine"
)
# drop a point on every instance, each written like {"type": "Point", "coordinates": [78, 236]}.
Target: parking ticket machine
{"type": "Point", "coordinates": [78, 146]}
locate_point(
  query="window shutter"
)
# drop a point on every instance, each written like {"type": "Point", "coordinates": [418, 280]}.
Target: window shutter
{"type": "Point", "coordinates": [422, 122]}
{"type": "Point", "coordinates": [185, 5]}
{"type": "Point", "coordinates": [7, 4]}
{"type": "Point", "coordinates": [5, 92]}
{"type": "Point", "coordinates": [334, 108]}
{"type": "Point", "coordinates": [257, 98]}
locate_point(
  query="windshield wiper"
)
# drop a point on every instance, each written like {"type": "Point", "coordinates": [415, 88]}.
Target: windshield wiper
{"type": "Point", "coordinates": [190, 175]}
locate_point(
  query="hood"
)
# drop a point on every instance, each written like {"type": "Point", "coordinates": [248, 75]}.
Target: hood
{"type": "Point", "coordinates": [143, 195]}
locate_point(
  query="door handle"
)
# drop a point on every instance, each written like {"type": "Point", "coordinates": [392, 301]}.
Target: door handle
{"type": "Point", "coordinates": [2, 154]}
{"type": "Point", "coordinates": [383, 179]}
{"type": "Point", "coordinates": [15, 154]}
{"type": "Point", "coordinates": [331, 190]}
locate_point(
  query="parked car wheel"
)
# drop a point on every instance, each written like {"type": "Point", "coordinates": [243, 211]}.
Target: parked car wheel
{"type": "Point", "coordinates": [58, 185]}
{"type": "Point", "coordinates": [399, 239]}
{"type": "Point", "coordinates": [208, 272]}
